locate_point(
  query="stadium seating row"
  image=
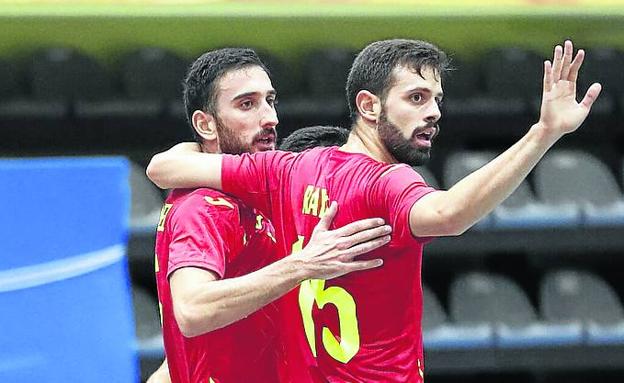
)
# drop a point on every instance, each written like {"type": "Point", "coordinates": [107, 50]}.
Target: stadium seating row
{"type": "Point", "coordinates": [490, 310]}
{"type": "Point", "coordinates": [58, 82]}
{"type": "Point", "coordinates": [577, 310]}
{"type": "Point", "coordinates": [572, 188]}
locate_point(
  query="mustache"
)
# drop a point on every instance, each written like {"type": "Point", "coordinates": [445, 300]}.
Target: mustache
{"type": "Point", "coordinates": [265, 132]}
{"type": "Point", "coordinates": [434, 125]}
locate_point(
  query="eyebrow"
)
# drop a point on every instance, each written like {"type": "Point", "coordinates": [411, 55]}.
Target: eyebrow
{"type": "Point", "coordinates": [272, 92]}
{"type": "Point", "coordinates": [427, 90]}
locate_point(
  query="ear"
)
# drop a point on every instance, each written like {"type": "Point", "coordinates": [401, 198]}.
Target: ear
{"type": "Point", "coordinates": [205, 125]}
{"type": "Point", "coordinates": [368, 106]}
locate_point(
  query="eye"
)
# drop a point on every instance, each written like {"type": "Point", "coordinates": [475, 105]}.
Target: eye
{"type": "Point", "coordinates": [246, 105]}
{"type": "Point", "coordinates": [416, 97]}
{"type": "Point", "coordinates": [272, 101]}
{"type": "Point", "coordinates": [440, 102]}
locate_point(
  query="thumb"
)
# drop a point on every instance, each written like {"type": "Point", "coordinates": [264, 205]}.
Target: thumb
{"type": "Point", "coordinates": [592, 94]}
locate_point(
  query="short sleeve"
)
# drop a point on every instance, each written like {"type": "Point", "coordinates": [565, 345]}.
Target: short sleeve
{"type": "Point", "coordinates": [201, 237]}
{"type": "Point", "coordinates": [253, 177]}
{"type": "Point", "coordinates": [395, 192]}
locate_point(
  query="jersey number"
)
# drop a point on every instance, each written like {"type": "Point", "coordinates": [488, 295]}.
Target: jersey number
{"type": "Point", "coordinates": [313, 290]}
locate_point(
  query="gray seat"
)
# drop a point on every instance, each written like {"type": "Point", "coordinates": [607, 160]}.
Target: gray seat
{"type": "Point", "coordinates": [458, 165]}
{"type": "Point", "coordinates": [151, 79]}
{"type": "Point", "coordinates": [439, 333]}
{"type": "Point", "coordinates": [576, 178]}
{"type": "Point", "coordinates": [433, 313]}
{"type": "Point", "coordinates": [521, 210]}
{"type": "Point", "coordinates": [146, 201]}
{"type": "Point", "coordinates": [493, 299]}
{"type": "Point", "coordinates": [145, 313]}
{"type": "Point", "coordinates": [480, 297]}
{"type": "Point", "coordinates": [150, 346]}
{"type": "Point", "coordinates": [571, 295]}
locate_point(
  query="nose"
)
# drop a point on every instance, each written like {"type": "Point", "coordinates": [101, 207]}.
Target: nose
{"type": "Point", "coordinates": [433, 112]}
{"type": "Point", "coordinates": [269, 116]}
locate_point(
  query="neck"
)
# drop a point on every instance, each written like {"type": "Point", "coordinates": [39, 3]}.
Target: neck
{"type": "Point", "coordinates": [210, 146]}
{"type": "Point", "coordinates": [364, 138]}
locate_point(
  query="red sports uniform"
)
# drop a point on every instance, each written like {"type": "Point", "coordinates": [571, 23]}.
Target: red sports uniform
{"type": "Point", "coordinates": [365, 326]}
{"type": "Point", "coordinates": [207, 229]}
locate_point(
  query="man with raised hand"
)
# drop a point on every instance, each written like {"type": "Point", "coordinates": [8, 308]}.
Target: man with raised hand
{"type": "Point", "coordinates": [218, 267]}
{"type": "Point", "coordinates": [394, 89]}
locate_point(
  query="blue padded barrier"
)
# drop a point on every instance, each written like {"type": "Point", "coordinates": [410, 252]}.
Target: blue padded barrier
{"type": "Point", "coordinates": [64, 287]}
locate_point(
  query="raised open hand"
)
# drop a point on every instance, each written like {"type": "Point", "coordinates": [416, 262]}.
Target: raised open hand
{"type": "Point", "coordinates": [560, 113]}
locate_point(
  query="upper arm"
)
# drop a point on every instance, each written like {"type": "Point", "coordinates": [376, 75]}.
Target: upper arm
{"type": "Point", "coordinates": [203, 235]}
{"type": "Point", "coordinates": [427, 219]}
{"type": "Point", "coordinates": [396, 193]}
{"type": "Point", "coordinates": [183, 166]}
{"type": "Point", "coordinates": [254, 177]}
{"type": "Point", "coordinates": [184, 283]}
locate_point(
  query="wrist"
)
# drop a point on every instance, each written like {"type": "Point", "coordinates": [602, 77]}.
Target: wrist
{"type": "Point", "coordinates": [296, 268]}
{"type": "Point", "coordinates": [544, 135]}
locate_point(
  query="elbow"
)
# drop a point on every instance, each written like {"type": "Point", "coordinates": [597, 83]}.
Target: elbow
{"type": "Point", "coordinates": [452, 225]}
{"type": "Point", "coordinates": [190, 321]}
{"type": "Point", "coordinates": [154, 172]}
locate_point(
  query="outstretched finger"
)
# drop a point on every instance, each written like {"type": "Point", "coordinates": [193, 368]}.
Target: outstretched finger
{"type": "Point", "coordinates": [364, 247]}
{"type": "Point", "coordinates": [568, 50]}
{"type": "Point", "coordinates": [327, 218]}
{"type": "Point", "coordinates": [548, 76]}
{"type": "Point", "coordinates": [363, 236]}
{"type": "Point", "coordinates": [557, 63]}
{"type": "Point", "coordinates": [365, 265]}
{"type": "Point", "coordinates": [592, 94]}
{"type": "Point", "coordinates": [357, 226]}
{"type": "Point", "coordinates": [576, 65]}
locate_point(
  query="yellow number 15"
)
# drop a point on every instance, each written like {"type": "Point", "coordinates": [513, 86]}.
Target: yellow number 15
{"type": "Point", "coordinates": [313, 290]}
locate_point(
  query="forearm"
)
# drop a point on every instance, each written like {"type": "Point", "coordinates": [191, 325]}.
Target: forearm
{"type": "Point", "coordinates": [212, 305]}
{"type": "Point", "coordinates": [479, 193]}
{"type": "Point", "coordinates": [185, 169]}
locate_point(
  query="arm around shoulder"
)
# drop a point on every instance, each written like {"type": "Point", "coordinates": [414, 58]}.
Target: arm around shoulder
{"type": "Point", "coordinates": [185, 166]}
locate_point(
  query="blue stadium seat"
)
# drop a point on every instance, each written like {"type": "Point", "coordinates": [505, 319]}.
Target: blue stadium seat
{"type": "Point", "coordinates": [579, 180]}
{"type": "Point", "coordinates": [494, 299]}
{"type": "Point", "coordinates": [580, 296]}
{"type": "Point", "coordinates": [63, 273]}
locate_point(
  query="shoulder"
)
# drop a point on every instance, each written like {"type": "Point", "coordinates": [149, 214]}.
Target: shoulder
{"type": "Point", "coordinates": [203, 201]}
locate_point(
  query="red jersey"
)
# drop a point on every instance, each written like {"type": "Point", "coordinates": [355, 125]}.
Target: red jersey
{"type": "Point", "coordinates": [210, 230]}
{"type": "Point", "coordinates": [365, 326]}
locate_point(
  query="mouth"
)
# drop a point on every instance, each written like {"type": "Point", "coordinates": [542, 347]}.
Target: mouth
{"type": "Point", "coordinates": [266, 141]}
{"type": "Point", "coordinates": [424, 137]}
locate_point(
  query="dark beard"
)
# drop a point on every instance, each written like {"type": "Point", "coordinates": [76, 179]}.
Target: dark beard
{"type": "Point", "coordinates": [398, 146]}
{"type": "Point", "coordinates": [229, 142]}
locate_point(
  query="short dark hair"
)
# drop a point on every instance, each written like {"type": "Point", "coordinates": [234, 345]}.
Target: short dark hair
{"type": "Point", "coordinates": [200, 92]}
{"type": "Point", "coordinates": [373, 66]}
{"type": "Point", "coordinates": [314, 136]}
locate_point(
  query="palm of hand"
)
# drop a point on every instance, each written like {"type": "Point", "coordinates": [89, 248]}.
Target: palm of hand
{"type": "Point", "coordinates": [560, 113]}
{"type": "Point", "coordinates": [559, 107]}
